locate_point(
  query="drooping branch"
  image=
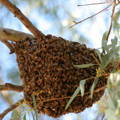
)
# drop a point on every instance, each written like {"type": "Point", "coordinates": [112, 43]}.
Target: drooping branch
{"type": "Point", "coordinates": [38, 34]}
{"type": "Point", "coordinates": [12, 107]}
{"type": "Point", "coordinates": [9, 86]}
{"type": "Point", "coordinates": [13, 35]}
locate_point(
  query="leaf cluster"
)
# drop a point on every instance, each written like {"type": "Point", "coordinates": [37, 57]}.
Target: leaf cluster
{"type": "Point", "coordinates": [109, 55]}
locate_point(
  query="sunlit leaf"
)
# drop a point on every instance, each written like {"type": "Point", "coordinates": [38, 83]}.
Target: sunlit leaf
{"type": "Point", "coordinates": [35, 107]}
{"type": "Point", "coordinates": [24, 117]}
{"type": "Point", "coordinates": [15, 115]}
{"type": "Point", "coordinates": [72, 97]}
{"type": "Point", "coordinates": [104, 41]}
{"type": "Point", "coordinates": [99, 55]}
{"type": "Point", "coordinates": [114, 41]}
{"type": "Point", "coordinates": [111, 99]}
{"type": "Point", "coordinates": [93, 87]}
{"type": "Point", "coordinates": [82, 87]}
{"type": "Point", "coordinates": [33, 116]}
{"type": "Point", "coordinates": [84, 65]}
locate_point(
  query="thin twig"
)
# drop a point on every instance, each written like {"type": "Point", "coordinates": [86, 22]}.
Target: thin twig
{"type": "Point", "coordinates": [8, 86]}
{"type": "Point", "coordinates": [111, 23]}
{"type": "Point", "coordinates": [93, 4]}
{"type": "Point", "coordinates": [12, 107]}
{"type": "Point", "coordinates": [62, 98]}
{"type": "Point", "coordinates": [75, 23]}
{"type": "Point", "coordinates": [38, 34]}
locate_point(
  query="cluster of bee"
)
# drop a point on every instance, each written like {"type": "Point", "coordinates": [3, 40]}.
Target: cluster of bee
{"type": "Point", "coordinates": [47, 69]}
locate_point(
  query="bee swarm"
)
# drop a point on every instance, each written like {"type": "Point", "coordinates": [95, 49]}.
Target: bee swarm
{"type": "Point", "coordinates": [47, 69]}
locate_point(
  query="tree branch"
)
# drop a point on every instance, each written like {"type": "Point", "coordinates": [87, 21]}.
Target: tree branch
{"type": "Point", "coordinates": [38, 34]}
{"type": "Point", "coordinates": [13, 35]}
{"type": "Point", "coordinates": [12, 107]}
{"type": "Point", "coordinates": [9, 86]}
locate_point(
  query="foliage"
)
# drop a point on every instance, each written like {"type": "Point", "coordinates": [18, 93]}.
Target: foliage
{"type": "Point", "coordinates": [110, 103]}
{"type": "Point", "coordinates": [109, 56]}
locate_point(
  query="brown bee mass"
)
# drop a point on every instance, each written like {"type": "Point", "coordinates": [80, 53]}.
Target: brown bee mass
{"type": "Point", "coordinates": [47, 68]}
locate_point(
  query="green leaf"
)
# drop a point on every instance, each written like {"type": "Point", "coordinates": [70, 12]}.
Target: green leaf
{"type": "Point", "coordinates": [33, 116]}
{"type": "Point", "coordinates": [24, 117]}
{"type": "Point", "coordinates": [104, 41]}
{"type": "Point", "coordinates": [114, 41]}
{"type": "Point", "coordinates": [72, 97]}
{"type": "Point", "coordinates": [84, 65]}
{"type": "Point", "coordinates": [112, 102]}
{"type": "Point", "coordinates": [93, 87]}
{"type": "Point", "coordinates": [99, 55]}
{"type": "Point", "coordinates": [35, 107]}
{"type": "Point", "coordinates": [15, 115]}
{"type": "Point", "coordinates": [82, 87]}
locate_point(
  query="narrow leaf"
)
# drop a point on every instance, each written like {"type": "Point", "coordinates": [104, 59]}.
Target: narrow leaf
{"type": "Point", "coordinates": [99, 55]}
{"type": "Point", "coordinates": [24, 117]}
{"type": "Point", "coordinates": [35, 107]}
{"type": "Point", "coordinates": [82, 87]}
{"type": "Point", "coordinates": [72, 97]}
{"type": "Point", "coordinates": [15, 115]}
{"type": "Point", "coordinates": [93, 87]}
{"type": "Point", "coordinates": [84, 65]}
{"type": "Point", "coordinates": [33, 116]}
{"type": "Point", "coordinates": [104, 41]}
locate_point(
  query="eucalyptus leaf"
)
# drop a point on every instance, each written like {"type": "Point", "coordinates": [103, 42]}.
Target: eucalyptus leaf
{"type": "Point", "coordinates": [84, 65]}
{"type": "Point", "coordinates": [33, 116]}
{"type": "Point", "coordinates": [93, 87]}
{"type": "Point", "coordinates": [35, 107]}
{"type": "Point", "coordinates": [82, 87]}
{"type": "Point", "coordinates": [99, 55]}
{"type": "Point", "coordinates": [107, 58]}
{"type": "Point", "coordinates": [24, 117]}
{"type": "Point", "coordinates": [104, 41]}
{"type": "Point", "coordinates": [72, 97]}
{"type": "Point", "coordinates": [15, 115]}
{"type": "Point", "coordinates": [112, 102]}
{"type": "Point", "coordinates": [114, 41]}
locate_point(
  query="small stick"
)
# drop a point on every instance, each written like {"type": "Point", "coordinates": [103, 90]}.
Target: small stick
{"type": "Point", "coordinates": [8, 86]}
{"type": "Point", "coordinates": [38, 34]}
{"type": "Point", "coordinates": [12, 107]}
{"type": "Point", "coordinates": [93, 4]}
{"type": "Point", "coordinates": [75, 23]}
